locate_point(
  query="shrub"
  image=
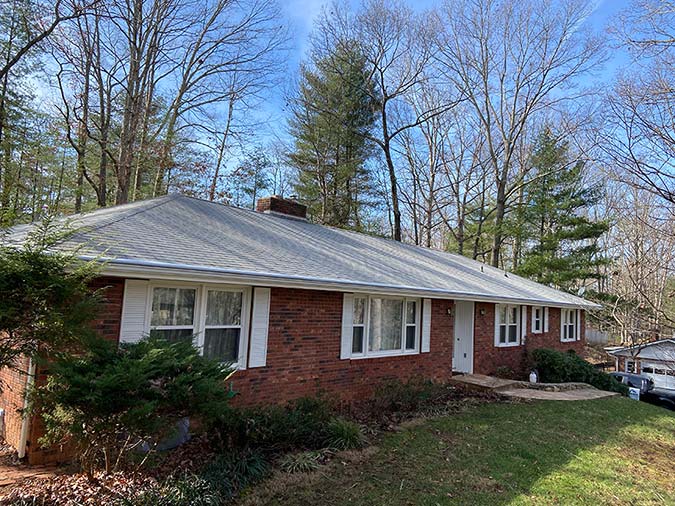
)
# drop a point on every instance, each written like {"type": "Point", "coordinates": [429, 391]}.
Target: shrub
{"type": "Point", "coordinates": [560, 367]}
{"type": "Point", "coordinates": [302, 462]}
{"type": "Point", "coordinates": [112, 401]}
{"type": "Point", "coordinates": [214, 484]}
{"type": "Point", "coordinates": [342, 434]}
{"type": "Point", "coordinates": [46, 303]}
{"type": "Point", "coordinates": [299, 424]}
{"type": "Point", "coordinates": [396, 396]}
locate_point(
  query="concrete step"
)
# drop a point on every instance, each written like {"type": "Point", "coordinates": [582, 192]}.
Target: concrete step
{"type": "Point", "coordinates": [485, 383]}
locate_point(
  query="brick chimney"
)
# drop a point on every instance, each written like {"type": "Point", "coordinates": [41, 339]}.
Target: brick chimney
{"type": "Point", "coordinates": [279, 205]}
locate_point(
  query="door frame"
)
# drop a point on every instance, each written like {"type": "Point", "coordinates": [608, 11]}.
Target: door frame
{"type": "Point", "coordinates": [472, 337]}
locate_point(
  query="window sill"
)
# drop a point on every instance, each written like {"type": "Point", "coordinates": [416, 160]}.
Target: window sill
{"type": "Point", "coordinates": [568, 340]}
{"type": "Point", "coordinates": [385, 355]}
{"type": "Point", "coordinates": [506, 345]}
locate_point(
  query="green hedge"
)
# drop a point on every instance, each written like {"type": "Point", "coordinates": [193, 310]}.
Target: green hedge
{"type": "Point", "coordinates": [561, 367]}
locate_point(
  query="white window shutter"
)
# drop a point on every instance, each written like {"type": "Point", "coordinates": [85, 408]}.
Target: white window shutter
{"type": "Point", "coordinates": [546, 319]}
{"type": "Point", "coordinates": [578, 320]}
{"type": "Point", "coordinates": [260, 327]}
{"type": "Point", "coordinates": [134, 307]}
{"type": "Point", "coordinates": [563, 321]}
{"type": "Point", "coordinates": [347, 326]}
{"type": "Point", "coordinates": [426, 326]}
{"type": "Point", "coordinates": [523, 323]}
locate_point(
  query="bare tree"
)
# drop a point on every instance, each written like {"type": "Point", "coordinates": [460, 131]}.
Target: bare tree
{"type": "Point", "coordinates": [397, 44]}
{"type": "Point", "coordinates": [511, 61]}
{"type": "Point", "coordinates": [40, 21]}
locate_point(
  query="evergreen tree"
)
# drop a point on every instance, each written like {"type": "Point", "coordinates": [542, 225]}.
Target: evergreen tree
{"type": "Point", "coordinates": [562, 249]}
{"type": "Point", "coordinates": [332, 114]}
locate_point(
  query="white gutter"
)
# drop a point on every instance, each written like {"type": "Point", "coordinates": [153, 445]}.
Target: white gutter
{"type": "Point", "coordinates": [25, 421]}
{"type": "Point", "coordinates": [186, 272]}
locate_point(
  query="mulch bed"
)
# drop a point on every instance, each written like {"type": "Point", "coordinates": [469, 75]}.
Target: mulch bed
{"type": "Point", "coordinates": [78, 489]}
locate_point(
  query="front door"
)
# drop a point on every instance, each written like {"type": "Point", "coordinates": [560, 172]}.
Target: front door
{"type": "Point", "coordinates": [462, 354]}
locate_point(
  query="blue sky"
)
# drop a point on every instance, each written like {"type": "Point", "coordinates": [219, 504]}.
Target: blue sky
{"type": "Point", "coordinates": [301, 15]}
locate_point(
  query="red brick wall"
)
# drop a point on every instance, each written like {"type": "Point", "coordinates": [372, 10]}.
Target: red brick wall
{"type": "Point", "coordinates": [303, 353]}
{"type": "Point", "coordinates": [488, 357]}
{"type": "Point", "coordinates": [110, 314]}
{"type": "Point", "coordinates": [12, 384]}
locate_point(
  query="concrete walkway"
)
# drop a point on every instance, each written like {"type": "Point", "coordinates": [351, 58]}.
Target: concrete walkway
{"type": "Point", "coordinates": [525, 390]}
{"type": "Point", "coordinates": [581, 394]}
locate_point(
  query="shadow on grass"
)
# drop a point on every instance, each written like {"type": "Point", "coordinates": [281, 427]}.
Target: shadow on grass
{"type": "Point", "coordinates": [609, 451]}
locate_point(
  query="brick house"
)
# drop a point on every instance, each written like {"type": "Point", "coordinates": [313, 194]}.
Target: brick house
{"type": "Point", "coordinates": [301, 308]}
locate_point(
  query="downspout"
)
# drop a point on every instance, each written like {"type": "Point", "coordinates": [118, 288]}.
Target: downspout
{"type": "Point", "coordinates": [25, 422]}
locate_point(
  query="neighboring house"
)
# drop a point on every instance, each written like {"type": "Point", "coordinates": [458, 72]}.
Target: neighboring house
{"type": "Point", "coordinates": [301, 308]}
{"type": "Point", "coordinates": [655, 359]}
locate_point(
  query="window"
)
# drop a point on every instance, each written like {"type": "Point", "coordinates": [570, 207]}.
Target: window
{"type": "Point", "coordinates": [359, 325]}
{"type": "Point", "coordinates": [568, 324]}
{"type": "Point", "coordinates": [630, 366]}
{"type": "Point", "coordinates": [222, 330]}
{"type": "Point", "coordinates": [507, 323]}
{"type": "Point", "coordinates": [411, 325]}
{"type": "Point", "coordinates": [173, 313]}
{"type": "Point", "coordinates": [648, 370]}
{"type": "Point", "coordinates": [210, 316]}
{"type": "Point", "coordinates": [384, 326]}
{"type": "Point", "coordinates": [537, 319]}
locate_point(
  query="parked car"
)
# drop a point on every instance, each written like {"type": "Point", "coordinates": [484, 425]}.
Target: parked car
{"type": "Point", "coordinates": [660, 397]}
{"type": "Point", "coordinates": [644, 383]}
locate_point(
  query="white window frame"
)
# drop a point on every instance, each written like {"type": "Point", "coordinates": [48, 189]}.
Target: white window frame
{"type": "Point", "coordinates": [199, 319]}
{"type": "Point", "coordinates": [404, 324]}
{"type": "Point", "coordinates": [540, 319]}
{"type": "Point", "coordinates": [625, 366]}
{"type": "Point", "coordinates": [498, 324]}
{"type": "Point", "coordinates": [565, 326]}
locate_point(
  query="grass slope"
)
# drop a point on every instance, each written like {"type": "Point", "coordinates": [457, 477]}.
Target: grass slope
{"type": "Point", "coordinates": [610, 451]}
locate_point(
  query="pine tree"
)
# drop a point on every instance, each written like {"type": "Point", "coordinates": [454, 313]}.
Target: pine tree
{"type": "Point", "coordinates": [332, 114]}
{"type": "Point", "coordinates": [562, 249]}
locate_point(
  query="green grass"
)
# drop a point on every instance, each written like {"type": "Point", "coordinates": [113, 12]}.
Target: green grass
{"type": "Point", "coordinates": [610, 451]}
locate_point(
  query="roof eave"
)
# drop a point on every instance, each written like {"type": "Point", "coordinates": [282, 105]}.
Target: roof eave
{"type": "Point", "coordinates": [180, 272]}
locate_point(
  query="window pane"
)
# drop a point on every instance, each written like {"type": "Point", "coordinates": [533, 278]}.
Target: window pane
{"type": "Point", "coordinates": [411, 312]}
{"type": "Point", "coordinates": [359, 310]}
{"type": "Point", "coordinates": [502, 314]}
{"type": "Point", "coordinates": [223, 308]}
{"type": "Point", "coordinates": [222, 344]}
{"type": "Point", "coordinates": [357, 340]}
{"type": "Point", "coordinates": [386, 317]}
{"type": "Point", "coordinates": [410, 334]}
{"type": "Point", "coordinates": [513, 313]}
{"type": "Point", "coordinates": [513, 333]}
{"type": "Point", "coordinates": [163, 306]}
{"type": "Point", "coordinates": [173, 335]}
{"type": "Point", "coordinates": [185, 307]}
{"type": "Point", "coordinates": [172, 306]}
{"type": "Point", "coordinates": [502, 333]}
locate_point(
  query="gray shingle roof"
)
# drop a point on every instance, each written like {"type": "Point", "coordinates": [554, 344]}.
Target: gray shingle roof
{"type": "Point", "coordinates": [188, 234]}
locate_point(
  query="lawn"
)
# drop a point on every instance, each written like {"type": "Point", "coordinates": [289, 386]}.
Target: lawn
{"type": "Point", "coordinates": [611, 451]}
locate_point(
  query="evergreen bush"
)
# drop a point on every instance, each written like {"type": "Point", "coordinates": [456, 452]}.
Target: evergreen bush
{"type": "Point", "coordinates": [561, 367]}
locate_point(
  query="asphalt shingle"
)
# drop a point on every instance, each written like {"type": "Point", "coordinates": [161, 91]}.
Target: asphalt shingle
{"type": "Point", "coordinates": [181, 232]}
